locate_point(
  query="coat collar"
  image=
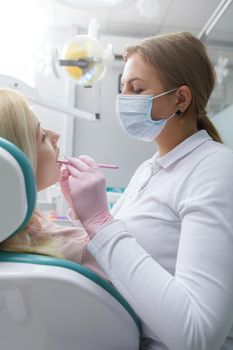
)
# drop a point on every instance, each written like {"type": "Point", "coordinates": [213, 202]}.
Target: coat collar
{"type": "Point", "coordinates": [180, 151]}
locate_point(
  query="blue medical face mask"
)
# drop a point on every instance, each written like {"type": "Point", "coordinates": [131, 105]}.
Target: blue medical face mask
{"type": "Point", "coordinates": [133, 113]}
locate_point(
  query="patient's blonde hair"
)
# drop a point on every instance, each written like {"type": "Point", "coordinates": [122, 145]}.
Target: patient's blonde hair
{"type": "Point", "coordinates": [181, 59]}
{"type": "Point", "coordinates": [18, 125]}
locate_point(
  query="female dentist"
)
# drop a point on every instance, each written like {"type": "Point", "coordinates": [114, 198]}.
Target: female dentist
{"type": "Point", "coordinates": [167, 245]}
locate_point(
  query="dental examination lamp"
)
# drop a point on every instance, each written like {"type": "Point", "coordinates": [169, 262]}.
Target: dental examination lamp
{"type": "Point", "coordinates": [84, 60]}
{"type": "Point", "coordinates": [83, 57]}
{"type": "Point", "coordinates": [45, 302]}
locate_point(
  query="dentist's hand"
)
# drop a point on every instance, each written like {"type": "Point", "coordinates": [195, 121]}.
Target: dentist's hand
{"type": "Point", "coordinates": [87, 190]}
{"type": "Point", "coordinates": [64, 185]}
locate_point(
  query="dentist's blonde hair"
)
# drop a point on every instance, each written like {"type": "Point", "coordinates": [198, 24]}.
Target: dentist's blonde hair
{"type": "Point", "coordinates": [18, 125]}
{"type": "Point", "coordinates": [181, 59]}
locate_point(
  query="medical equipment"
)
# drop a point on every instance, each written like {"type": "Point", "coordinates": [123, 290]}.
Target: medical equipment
{"type": "Point", "coordinates": [84, 58]}
{"type": "Point", "coordinates": [48, 303]}
{"type": "Point", "coordinates": [106, 166]}
{"type": "Point", "coordinates": [33, 96]}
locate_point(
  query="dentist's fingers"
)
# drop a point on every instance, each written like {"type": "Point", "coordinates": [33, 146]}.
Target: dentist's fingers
{"type": "Point", "coordinates": [81, 173]}
{"type": "Point", "coordinates": [74, 171]}
{"type": "Point", "coordinates": [86, 176]}
{"type": "Point", "coordinates": [89, 161]}
{"type": "Point", "coordinates": [79, 164]}
{"type": "Point", "coordinates": [64, 174]}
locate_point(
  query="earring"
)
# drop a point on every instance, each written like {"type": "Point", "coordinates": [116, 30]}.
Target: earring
{"type": "Point", "coordinates": [178, 113]}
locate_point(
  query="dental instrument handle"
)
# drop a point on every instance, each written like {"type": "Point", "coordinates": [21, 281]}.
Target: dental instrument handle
{"type": "Point", "coordinates": [106, 166]}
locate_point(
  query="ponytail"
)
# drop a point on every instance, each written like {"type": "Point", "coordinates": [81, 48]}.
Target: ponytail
{"type": "Point", "coordinates": [204, 122]}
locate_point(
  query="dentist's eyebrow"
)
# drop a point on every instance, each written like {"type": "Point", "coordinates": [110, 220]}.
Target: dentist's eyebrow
{"type": "Point", "coordinates": [131, 80]}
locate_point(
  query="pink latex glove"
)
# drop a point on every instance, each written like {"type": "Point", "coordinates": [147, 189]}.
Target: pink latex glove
{"type": "Point", "coordinates": [64, 185]}
{"type": "Point", "coordinates": [87, 190]}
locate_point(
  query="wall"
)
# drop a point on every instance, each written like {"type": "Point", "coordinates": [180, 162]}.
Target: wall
{"type": "Point", "coordinates": [55, 90]}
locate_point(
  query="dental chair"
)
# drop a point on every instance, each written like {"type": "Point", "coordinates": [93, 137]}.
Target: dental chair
{"type": "Point", "coordinates": [48, 303]}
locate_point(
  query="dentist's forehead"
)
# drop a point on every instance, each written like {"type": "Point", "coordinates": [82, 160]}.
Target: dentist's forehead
{"type": "Point", "coordinates": [129, 81]}
{"type": "Point", "coordinates": [136, 68]}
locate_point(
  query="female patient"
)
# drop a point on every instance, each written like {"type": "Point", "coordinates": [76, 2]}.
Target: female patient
{"type": "Point", "coordinates": [20, 126]}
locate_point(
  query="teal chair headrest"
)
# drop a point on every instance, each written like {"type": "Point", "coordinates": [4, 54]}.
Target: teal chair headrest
{"type": "Point", "coordinates": [17, 189]}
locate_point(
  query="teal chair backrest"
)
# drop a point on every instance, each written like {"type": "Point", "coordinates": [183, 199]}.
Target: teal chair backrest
{"type": "Point", "coordinates": [17, 189]}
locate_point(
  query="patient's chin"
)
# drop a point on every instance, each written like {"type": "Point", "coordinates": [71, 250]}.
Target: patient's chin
{"type": "Point", "coordinates": [42, 185]}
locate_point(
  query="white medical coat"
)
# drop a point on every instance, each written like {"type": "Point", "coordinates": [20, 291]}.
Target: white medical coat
{"type": "Point", "coordinates": [170, 250]}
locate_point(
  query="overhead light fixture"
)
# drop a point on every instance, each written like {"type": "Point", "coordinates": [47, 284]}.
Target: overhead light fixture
{"type": "Point", "coordinates": [148, 8]}
{"type": "Point", "coordinates": [95, 4]}
{"type": "Point", "coordinates": [215, 17]}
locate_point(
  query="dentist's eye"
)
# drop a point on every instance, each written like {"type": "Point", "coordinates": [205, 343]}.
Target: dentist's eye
{"type": "Point", "coordinates": [139, 91]}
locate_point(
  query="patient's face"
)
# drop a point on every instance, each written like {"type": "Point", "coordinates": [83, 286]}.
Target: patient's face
{"type": "Point", "coordinates": [48, 170]}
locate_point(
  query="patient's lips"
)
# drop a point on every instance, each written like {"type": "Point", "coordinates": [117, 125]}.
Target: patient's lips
{"type": "Point", "coordinates": [62, 161]}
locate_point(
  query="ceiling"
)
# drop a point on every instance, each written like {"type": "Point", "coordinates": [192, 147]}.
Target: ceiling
{"type": "Point", "coordinates": [173, 15]}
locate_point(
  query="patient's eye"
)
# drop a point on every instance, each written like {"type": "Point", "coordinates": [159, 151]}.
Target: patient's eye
{"type": "Point", "coordinates": [44, 134]}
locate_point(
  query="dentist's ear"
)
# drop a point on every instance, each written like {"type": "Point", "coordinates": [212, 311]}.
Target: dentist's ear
{"type": "Point", "coordinates": [184, 97]}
